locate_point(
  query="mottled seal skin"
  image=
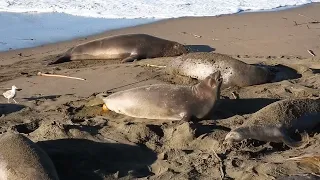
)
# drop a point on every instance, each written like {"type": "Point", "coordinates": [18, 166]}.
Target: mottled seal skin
{"type": "Point", "coordinates": [20, 158]}
{"type": "Point", "coordinates": [168, 101]}
{"type": "Point", "coordinates": [275, 122]}
{"type": "Point", "coordinates": [127, 47]}
{"type": "Point", "coordinates": [234, 72]}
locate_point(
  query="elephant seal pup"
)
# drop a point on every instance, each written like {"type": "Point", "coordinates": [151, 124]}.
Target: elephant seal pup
{"type": "Point", "coordinates": [275, 122]}
{"type": "Point", "coordinates": [234, 72]}
{"type": "Point", "coordinates": [20, 158]}
{"type": "Point", "coordinates": [128, 47]}
{"type": "Point", "coordinates": [168, 101]}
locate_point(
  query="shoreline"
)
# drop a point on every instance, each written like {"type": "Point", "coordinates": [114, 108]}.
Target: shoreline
{"type": "Point", "coordinates": [33, 30]}
{"type": "Point", "coordinates": [155, 21]}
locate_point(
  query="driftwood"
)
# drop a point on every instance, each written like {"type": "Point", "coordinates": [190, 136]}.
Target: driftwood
{"type": "Point", "coordinates": [56, 75]}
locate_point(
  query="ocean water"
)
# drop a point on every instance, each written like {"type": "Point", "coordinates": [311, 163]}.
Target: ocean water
{"type": "Point", "coordinates": [29, 23]}
{"type": "Point", "coordinates": [22, 30]}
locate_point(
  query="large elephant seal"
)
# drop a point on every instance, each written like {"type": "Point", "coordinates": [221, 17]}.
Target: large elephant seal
{"type": "Point", "coordinates": [20, 158]}
{"type": "Point", "coordinates": [234, 72]}
{"type": "Point", "coordinates": [127, 47]}
{"type": "Point", "coordinates": [167, 101]}
{"type": "Point", "coordinates": [275, 122]}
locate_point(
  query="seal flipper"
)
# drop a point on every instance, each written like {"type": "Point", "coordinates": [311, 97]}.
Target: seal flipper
{"type": "Point", "coordinates": [131, 58]}
{"type": "Point", "coordinates": [185, 118]}
{"type": "Point", "coordinates": [60, 60]}
{"type": "Point", "coordinates": [66, 57]}
{"type": "Point", "coordinates": [296, 144]}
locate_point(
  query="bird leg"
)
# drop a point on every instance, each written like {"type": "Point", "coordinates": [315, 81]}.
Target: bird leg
{"type": "Point", "coordinates": [15, 101]}
{"type": "Point", "coordinates": [8, 100]}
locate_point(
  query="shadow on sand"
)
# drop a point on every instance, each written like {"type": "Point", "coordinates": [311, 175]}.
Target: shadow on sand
{"type": "Point", "coordinates": [199, 48]}
{"type": "Point", "coordinates": [10, 108]}
{"type": "Point", "coordinates": [315, 71]}
{"type": "Point", "coordinates": [50, 97]}
{"type": "Point", "coordinates": [281, 72]}
{"type": "Point", "coordinates": [86, 159]}
{"type": "Point", "coordinates": [230, 107]}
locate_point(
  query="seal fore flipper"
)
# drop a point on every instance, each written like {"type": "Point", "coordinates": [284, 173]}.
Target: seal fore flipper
{"type": "Point", "coordinates": [65, 57]}
{"type": "Point", "coordinates": [131, 58]}
{"type": "Point", "coordinates": [297, 144]}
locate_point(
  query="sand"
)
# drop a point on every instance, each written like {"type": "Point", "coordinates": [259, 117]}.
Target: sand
{"type": "Point", "coordinates": [63, 117]}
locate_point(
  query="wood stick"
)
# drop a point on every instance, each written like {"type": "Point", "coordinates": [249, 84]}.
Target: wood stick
{"type": "Point", "coordinates": [56, 75]}
{"type": "Point", "coordinates": [151, 65]}
{"type": "Point", "coordinates": [311, 52]}
{"type": "Point", "coordinates": [221, 164]}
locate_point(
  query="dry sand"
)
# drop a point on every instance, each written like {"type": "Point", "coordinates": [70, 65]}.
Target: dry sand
{"type": "Point", "coordinates": [85, 143]}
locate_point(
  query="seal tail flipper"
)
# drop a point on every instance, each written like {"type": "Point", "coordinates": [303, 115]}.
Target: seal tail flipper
{"type": "Point", "coordinates": [105, 108]}
{"type": "Point", "coordinates": [65, 57]}
{"type": "Point", "coordinates": [102, 96]}
{"type": "Point", "coordinates": [297, 144]}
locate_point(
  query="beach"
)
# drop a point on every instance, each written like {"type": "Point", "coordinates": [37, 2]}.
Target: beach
{"type": "Point", "coordinates": [64, 117]}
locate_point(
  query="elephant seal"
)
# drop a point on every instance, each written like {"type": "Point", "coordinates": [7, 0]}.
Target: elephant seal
{"type": "Point", "coordinates": [167, 101]}
{"type": "Point", "coordinates": [20, 158]}
{"type": "Point", "coordinates": [276, 121]}
{"type": "Point", "coordinates": [128, 47]}
{"type": "Point", "coordinates": [234, 72]}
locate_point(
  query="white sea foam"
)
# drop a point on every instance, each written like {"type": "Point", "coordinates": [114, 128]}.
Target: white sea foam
{"type": "Point", "coordinates": [144, 8]}
{"type": "Point", "coordinates": [28, 23]}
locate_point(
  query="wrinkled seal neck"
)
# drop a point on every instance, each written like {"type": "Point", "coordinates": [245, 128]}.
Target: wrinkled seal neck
{"type": "Point", "coordinates": [203, 91]}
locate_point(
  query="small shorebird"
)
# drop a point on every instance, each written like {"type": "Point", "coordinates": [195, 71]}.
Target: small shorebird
{"type": "Point", "coordinates": [10, 94]}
